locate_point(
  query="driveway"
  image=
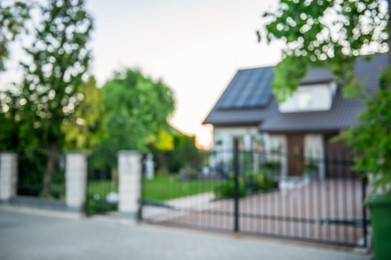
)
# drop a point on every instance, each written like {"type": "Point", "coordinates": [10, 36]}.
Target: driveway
{"type": "Point", "coordinates": [32, 234]}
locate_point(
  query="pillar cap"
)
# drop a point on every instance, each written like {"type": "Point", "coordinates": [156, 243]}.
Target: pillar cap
{"type": "Point", "coordinates": [76, 152]}
{"type": "Point", "coordinates": [129, 152]}
{"type": "Point", "coordinates": [8, 153]}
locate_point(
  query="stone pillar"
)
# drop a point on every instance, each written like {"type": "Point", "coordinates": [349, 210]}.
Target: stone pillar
{"type": "Point", "coordinates": [129, 186]}
{"type": "Point", "coordinates": [76, 181]}
{"type": "Point", "coordinates": [8, 175]}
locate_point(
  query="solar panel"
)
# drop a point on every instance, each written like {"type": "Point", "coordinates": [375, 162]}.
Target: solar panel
{"type": "Point", "coordinates": [248, 89]}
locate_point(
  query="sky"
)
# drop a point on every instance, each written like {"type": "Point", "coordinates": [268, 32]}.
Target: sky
{"type": "Point", "coordinates": [195, 47]}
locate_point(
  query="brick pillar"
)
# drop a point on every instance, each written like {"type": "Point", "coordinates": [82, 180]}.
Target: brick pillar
{"type": "Point", "coordinates": [129, 186]}
{"type": "Point", "coordinates": [76, 181]}
{"type": "Point", "coordinates": [8, 175]}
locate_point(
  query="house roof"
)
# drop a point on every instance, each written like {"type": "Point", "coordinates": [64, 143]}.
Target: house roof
{"type": "Point", "coordinates": [248, 100]}
{"type": "Point", "coordinates": [245, 98]}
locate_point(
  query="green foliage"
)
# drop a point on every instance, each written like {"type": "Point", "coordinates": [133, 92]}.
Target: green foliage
{"type": "Point", "coordinates": [324, 33]}
{"type": "Point", "coordinates": [259, 182]}
{"type": "Point", "coordinates": [84, 130]}
{"type": "Point", "coordinates": [165, 141]}
{"type": "Point", "coordinates": [97, 197]}
{"type": "Point", "coordinates": [272, 166]}
{"type": "Point", "coordinates": [137, 110]}
{"type": "Point", "coordinates": [9, 138]}
{"type": "Point", "coordinates": [170, 187]}
{"type": "Point", "coordinates": [56, 62]}
{"type": "Point", "coordinates": [183, 154]}
{"type": "Point", "coordinates": [249, 184]}
{"type": "Point", "coordinates": [59, 58]}
{"type": "Point", "coordinates": [13, 17]}
{"type": "Point", "coordinates": [227, 190]}
{"type": "Point", "coordinates": [332, 34]}
{"type": "Point", "coordinates": [371, 140]}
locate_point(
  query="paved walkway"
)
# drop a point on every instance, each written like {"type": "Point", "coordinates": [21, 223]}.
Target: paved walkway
{"type": "Point", "coordinates": [28, 235]}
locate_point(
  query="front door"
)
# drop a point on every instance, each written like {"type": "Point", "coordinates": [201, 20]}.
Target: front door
{"type": "Point", "coordinates": [295, 155]}
{"type": "Point", "coordinates": [339, 158]}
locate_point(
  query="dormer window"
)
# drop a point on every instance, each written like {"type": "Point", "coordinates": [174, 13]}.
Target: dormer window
{"type": "Point", "coordinates": [304, 99]}
{"type": "Point", "coordinates": [314, 97]}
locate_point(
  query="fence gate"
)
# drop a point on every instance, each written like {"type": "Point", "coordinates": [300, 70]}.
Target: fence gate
{"type": "Point", "coordinates": [102, 183]}
{"type": "Point", "coordinates": [245, 192]}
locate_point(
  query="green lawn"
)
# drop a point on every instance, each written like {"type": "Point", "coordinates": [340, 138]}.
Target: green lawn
{"type": "Point", "coordinates": [97, 192]}
{"type": "Point", "coordinates": [159, 189]}
{"type": "Point", "coordinates": [168, 187]}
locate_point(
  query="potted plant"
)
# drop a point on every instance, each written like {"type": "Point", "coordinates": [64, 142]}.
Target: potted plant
{"type": "Point", "coordinates": [311, 168]}
{"type": "Point", "coordinates": [371, 142]}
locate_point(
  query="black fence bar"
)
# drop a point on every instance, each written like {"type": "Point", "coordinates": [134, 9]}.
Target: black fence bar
{"type": "Point", "coordinates": [246, 192]}
{"type": "Point", "coordinates": [236, 185]}
{"type": "Point", "coordinates": [364, 212]}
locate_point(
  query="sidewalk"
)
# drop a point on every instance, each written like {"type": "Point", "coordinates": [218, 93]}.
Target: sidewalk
{"type": "Point", "coordinates": [28, 235]}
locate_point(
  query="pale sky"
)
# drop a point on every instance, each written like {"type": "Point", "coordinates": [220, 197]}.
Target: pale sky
{"type": "Point", "coordinates": [194, 46]}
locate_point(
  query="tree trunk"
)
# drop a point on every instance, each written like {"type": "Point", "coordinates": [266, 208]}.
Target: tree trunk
{"type": "Point", "coordinates": [48, 177]}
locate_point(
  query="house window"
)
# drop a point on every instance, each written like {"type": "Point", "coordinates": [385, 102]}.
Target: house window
{"type": "Point", "coordinates": [309, 98]}
{"type": "Point", "coordinates": [304, 100]}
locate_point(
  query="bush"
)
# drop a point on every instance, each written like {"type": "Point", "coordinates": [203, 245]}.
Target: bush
{"type": "Point", "coordinates": [259, 182]}
{"type": "Point", "coordinates": [227, 189]}
{"type": "Point", "coordinates": [273, 167]}
{"type": "Point", "coordinates": [247, 185]}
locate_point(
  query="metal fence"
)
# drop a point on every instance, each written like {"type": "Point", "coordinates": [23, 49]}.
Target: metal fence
{"type": "Point", "coordinates": [256, 192]}
{"type": "Point", "coordinates": [102, 183]}
{"type": "Point", "coordinates": [32, 167]}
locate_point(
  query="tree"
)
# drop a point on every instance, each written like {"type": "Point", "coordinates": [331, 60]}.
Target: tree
{"type": "Point", "coordinates": [327, 33]}
{"type": "Point", "coordinates": [332, 33]}
{"type": "Point", "coordinates": [85, 129]}
{"type": "Point", "coordinates": [137, 110]}
{"type": "Point", "coordinates": [174, 150]}
{"type": "Point", "coordinates": [59, 58]}
{"type": "Point", "coordinates": [13, 16]}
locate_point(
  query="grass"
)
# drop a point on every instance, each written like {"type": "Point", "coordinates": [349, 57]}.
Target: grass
{"type": "Point", "coordinates": [169, 187]}
{"type": "Point", "coordinates": [96, 196]}
{"type": "Point", "coordinates": [161, 188]}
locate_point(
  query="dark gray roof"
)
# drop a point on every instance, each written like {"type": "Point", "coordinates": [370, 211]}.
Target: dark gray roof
{"type": "Point", "coordinates": [317, 75]}
{"type": "Point", "coordinates": [343, 114]}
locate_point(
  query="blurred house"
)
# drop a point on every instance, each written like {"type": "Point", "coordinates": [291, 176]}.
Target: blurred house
{"type": "Point", "coordinates": [300, 127]}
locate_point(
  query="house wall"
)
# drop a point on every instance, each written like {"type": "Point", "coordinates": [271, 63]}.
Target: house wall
{"type": "Point", "coordinates": [223, 138]}
{"type": "Point", "coordinates": [313, 148]}
{"type": "Point", "coordinates": [274, 145]}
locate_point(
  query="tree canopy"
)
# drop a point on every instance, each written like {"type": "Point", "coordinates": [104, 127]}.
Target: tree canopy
{"type": "Point", "coordinates": [137, 110]}
{"type": "Point", "coordinates": [13, 16]}
{"type": "Point", "coordinates": [85, 129]}
{"type": "Point", "coordinates": [57, 61]}
{"type": "Point", "coordinates": [332, 34]}
{"type": "Point", "coordinates": [329, 33]}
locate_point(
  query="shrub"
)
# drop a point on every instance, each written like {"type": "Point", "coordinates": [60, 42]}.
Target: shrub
{"type": "Point", "coordinates": [259, 182]}
{"type": "Point", "coordinates": [227, 189]}
{"type": "Point", "coordinates": [247, 185]}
